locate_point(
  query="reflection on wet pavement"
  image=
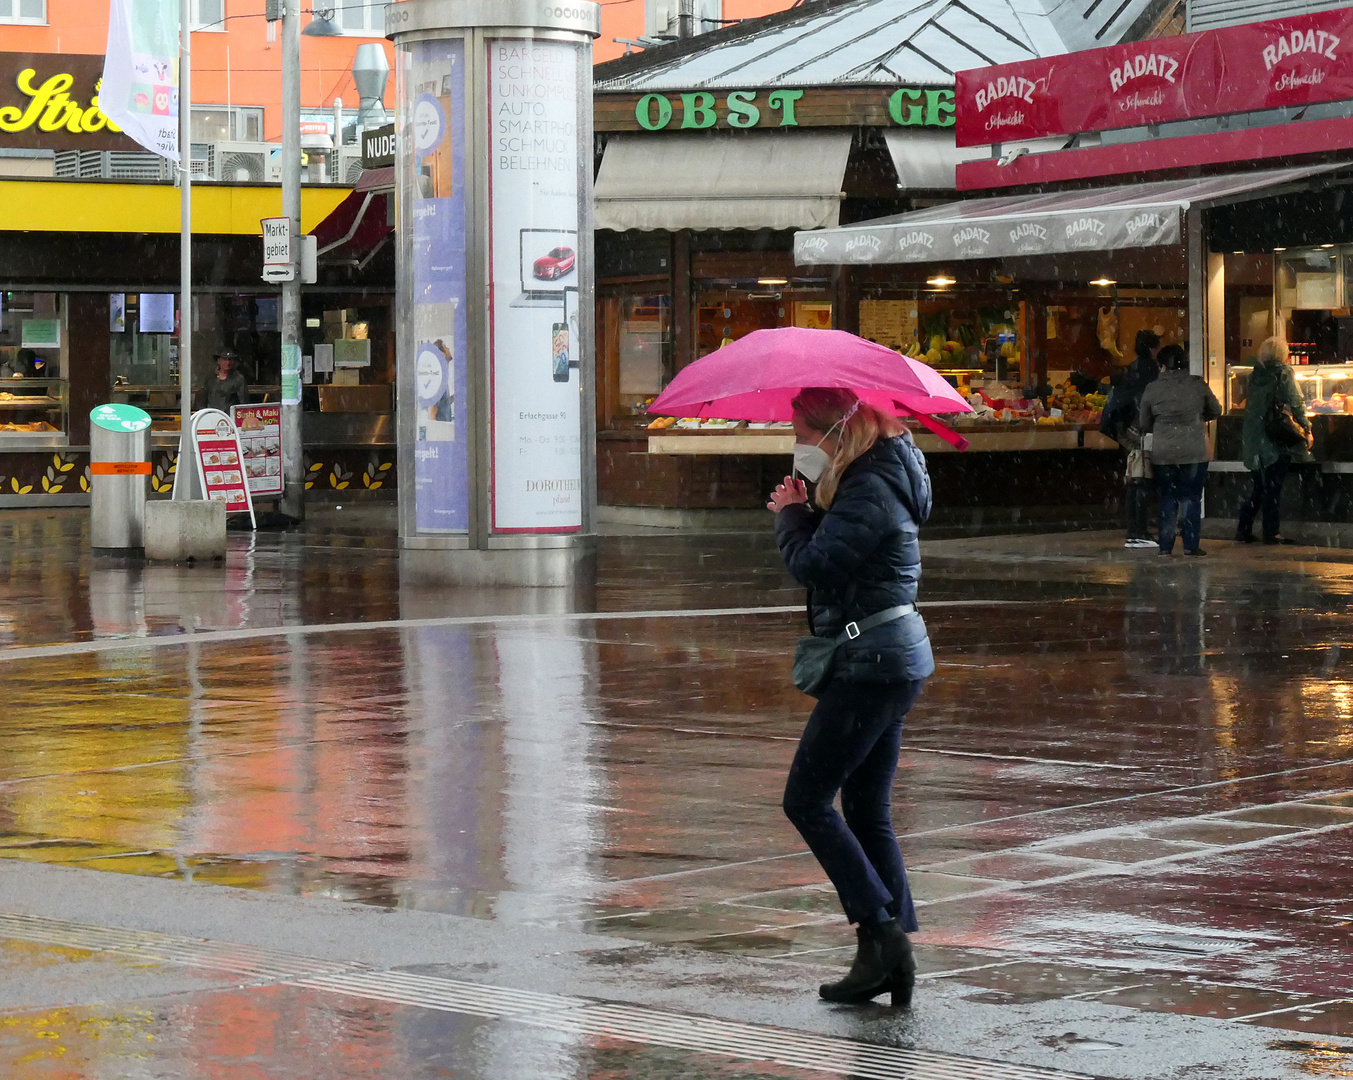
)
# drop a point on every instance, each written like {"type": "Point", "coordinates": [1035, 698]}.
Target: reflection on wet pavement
{"type": "Point", "coordinates": [1128, 783]}
{"type": "Point", "coordinates": [282, 1032]}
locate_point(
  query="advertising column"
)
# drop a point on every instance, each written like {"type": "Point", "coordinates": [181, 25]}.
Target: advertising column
{"type": "Point", "coordinates": [534, 271]}
{"type": "Point", "coordinates": [434, 85]}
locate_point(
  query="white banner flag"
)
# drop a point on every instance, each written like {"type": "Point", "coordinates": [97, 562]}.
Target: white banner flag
{"type": "Point", "coordinates": [140, 88]}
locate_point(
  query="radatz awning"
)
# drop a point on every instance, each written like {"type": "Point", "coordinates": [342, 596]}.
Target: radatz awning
{"type": "Point", "coordinates": [1054, 223]}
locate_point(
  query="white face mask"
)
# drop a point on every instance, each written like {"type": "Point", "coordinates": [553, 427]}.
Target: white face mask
{"type": "Point", "coordinates": [810, 462]}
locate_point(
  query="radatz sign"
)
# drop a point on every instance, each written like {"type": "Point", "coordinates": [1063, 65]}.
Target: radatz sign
{"type": "Point", "coordinates": [1301, 60]}
{"type": "Point", "coordinates": [50, 101]}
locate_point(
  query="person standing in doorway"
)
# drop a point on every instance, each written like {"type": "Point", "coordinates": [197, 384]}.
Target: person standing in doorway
{"type": "Point", "coordinates": [1175, 412]}
{"type": "Point", "coordinates": [1120, 424]}
{"type": "Point", "coordinates": [226, 386]}
{"type": "Point", "coordinates": [858, 554]}
{"type": "Point", "coordinates": [1276, 435]}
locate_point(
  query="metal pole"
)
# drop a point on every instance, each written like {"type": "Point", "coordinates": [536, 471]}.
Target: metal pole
{"type": "Point", "coordinates": [185, 227]}
{"type": "Point", "coordinates": [292, 503]}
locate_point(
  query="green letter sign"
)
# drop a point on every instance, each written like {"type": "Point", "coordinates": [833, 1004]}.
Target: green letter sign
{"type": "Point", "coordinates": [643, 112]}
{"type": "Point", "coordinates": [784, 100]}
{"type": "Point", "coordinates": [697, 111]}
{"type": "Point", "coordinates": [741, 112]}
{"type": "Point", "coordinates": [939, 108]}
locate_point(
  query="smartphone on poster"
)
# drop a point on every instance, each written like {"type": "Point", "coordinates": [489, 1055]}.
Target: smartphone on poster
{"type": "Point", "coordinates": [559, 351]}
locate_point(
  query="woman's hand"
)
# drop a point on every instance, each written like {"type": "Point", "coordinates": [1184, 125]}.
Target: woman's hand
{"type": "Point", "coordinates": [788, 492]}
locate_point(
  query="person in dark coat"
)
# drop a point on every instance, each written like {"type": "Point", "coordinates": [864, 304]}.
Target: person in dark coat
{"type": "Point", "coordinates": [1271, 382]}
{"type": "Point", "coordinates": [858, 555]}
{"type": "Point", "coordinates": [1175, 412]}
{"type": "Point", "coordinates": [226, 386]}
{"type": "Point", "coordinates": [1119, 422]}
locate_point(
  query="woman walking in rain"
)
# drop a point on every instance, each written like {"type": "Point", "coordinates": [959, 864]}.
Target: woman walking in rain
{"type": "Point", "coordinates": [858, 554]}
{"type": "Point", "coordinates": [1175, 412]}
{"type": "Point", "coordinates": [1276, 435]}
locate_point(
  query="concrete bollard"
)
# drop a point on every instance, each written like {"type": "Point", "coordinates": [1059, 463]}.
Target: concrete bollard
{"type": "Point", "coordinates": [180, 529]}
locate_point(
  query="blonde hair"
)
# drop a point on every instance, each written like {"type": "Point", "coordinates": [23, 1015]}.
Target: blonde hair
{"type": "Point", "coordinates": [1273, 349]}
{"type": "Point", "coordinates": [860, 425]}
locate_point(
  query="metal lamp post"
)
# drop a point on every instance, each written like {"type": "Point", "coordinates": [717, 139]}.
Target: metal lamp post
{"type": "Point", "coordinates": [292, 503]}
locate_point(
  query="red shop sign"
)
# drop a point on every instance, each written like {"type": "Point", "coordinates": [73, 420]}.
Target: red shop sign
{"type": "Point", "coordinates": [1300, 60]}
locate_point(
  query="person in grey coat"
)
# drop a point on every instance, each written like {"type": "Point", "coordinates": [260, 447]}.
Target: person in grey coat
{"type": "Point", "coordinates": [1175, 411]}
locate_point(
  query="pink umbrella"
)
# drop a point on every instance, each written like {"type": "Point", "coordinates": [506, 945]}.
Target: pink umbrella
{"type": "Point", "coordinates": [756, 377]}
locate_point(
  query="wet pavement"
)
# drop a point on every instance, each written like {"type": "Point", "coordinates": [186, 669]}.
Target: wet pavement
{"type": "Point", "coordinates": [283, 817]}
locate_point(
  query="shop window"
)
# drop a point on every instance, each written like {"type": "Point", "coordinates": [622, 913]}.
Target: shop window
{"type": "Point", "coordinates": [23, 11]}
{"type": "Point", "coordinates": [33, 347]}
{"type": "Point", "coordinates": [218, 123]}
{"type": "Point", "coordinates": [208, 15]}
{"type": "Point", "coordinates": [727, 316]}
{"type": "Point", "coordinates": [364, 18]}
{"type": "Point", "coordinates": [645, 327]}
{"type": "Point", "coordinates": [1310, 280]}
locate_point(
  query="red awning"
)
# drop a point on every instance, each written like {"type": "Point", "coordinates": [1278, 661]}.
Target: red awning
{"type": "Point", "coordinates": [355, 228]}
{"type": "Point", "coordinates": [382, 180]}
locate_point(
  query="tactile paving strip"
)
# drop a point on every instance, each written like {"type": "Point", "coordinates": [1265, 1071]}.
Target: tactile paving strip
{"type": "Point", "coordinates": [582, 1016]}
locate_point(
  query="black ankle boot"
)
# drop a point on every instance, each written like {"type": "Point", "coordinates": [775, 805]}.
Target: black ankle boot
{"type": "Point", "coordinates": [882, 961]}
{"type": "Point", "coordinates": [903, 980]}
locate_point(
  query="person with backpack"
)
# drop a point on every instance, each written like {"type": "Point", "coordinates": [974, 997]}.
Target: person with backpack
{"type": "Point", "coordinates": [1175, 412]}
{"type": "Point", "coordinates": [858, 553]}
{"type": "Point", "coordinates": [1276, 435]}
{"type": "Point", "coordinates": [1119, 422]}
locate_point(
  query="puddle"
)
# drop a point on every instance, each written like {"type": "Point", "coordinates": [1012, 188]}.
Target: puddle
{"type": "Point", "coordinates": [1123, 849]}
{"type": "Point", "coordinates": [1303, 816]}
{"type": "Point", "coordinates": [1072, 1041]}
{"type": "Point", "coordinates": [1320, 1058]}
{"type": "Point", "coordinates": [1330, 1018]}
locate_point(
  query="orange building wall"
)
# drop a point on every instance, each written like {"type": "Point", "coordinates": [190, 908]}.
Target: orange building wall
{"type": "Point", "coordinates": [238, 66]}
{"type": "Point", "coordinates": [625, 19]}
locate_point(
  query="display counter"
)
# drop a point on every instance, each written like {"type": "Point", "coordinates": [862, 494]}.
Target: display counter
{"type": "Point", "coordinates": [33, 414]}
{"type": "Point", "coordinates": [1014, 474]}
{"type": "Point", "coordinates": [995, 437]}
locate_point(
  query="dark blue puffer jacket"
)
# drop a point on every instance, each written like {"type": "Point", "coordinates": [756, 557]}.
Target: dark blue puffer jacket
{"type": "Point", "coordinates": [864, 555]}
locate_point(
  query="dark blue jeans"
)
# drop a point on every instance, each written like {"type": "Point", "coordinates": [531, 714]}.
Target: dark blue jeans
{"type": "Point", "coordinates": [1181, 487]}
{"type": "Point", "coordinates": [851, 745]}
{"type": "Point", "coordinates": [1266, 496]}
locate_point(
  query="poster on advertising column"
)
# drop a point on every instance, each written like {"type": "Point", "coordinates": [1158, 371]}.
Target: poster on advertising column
{"type": "Point", "coordinates": [436, 106]}
{"type": "Point", "coordinates": [533, 200]}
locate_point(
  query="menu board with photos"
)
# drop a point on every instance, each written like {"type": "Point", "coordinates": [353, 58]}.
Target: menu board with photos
{"type": "Point", "coordinates": [220, 461]}
{"type": "Point", "coordinates": [889, 322]}
{"type": "Point", "coordinates": [260, 431]}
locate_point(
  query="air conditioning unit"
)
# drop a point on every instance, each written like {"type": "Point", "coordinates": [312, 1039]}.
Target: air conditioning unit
{"type": "Point", "coordinates": [111, 165]}
{"type": "Point", "coordinates": [349, 165]}
{"type": "Point", "coordinates": [662, 18]}
{"type": "Point", "coordinates": [242, 162]}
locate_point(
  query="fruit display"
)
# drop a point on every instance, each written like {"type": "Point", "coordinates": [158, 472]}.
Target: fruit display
{"type": "Point", "coordinates": [1077, 408]}
{"type": "Point", "coordinates": [942, 352]}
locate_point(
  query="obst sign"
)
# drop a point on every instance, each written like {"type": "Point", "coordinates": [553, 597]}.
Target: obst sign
{"type": "Point", "coordinates": [277, 265]}
{"type": "Point", "coordinates": [698, 110]}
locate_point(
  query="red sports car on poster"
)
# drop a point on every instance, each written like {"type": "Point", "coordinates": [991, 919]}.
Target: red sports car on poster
{"type": "Point", "coordinates": [555, 265]}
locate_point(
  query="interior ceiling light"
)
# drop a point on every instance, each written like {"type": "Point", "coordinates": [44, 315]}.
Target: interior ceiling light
{"type": "Point", "coordinates": [772, 281]}
{"type": "Point", "coordinates": [1280, 249]}
{"type": "Point", "coordinates": [940, 281]}
{"type": "Point", "coordinates": [1326, 246]}
{"type": "Point", "coordinates": [1103, 281]}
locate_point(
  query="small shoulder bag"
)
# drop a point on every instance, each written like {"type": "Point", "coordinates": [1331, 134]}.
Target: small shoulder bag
{"type": "Point", "coordinates": [815, 657]}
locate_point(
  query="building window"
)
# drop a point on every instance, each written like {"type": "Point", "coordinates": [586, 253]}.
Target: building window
{"type": "Point", "coordinates": [217, 123]}
{"type": "Point", "coordinates": [207, 15]}
{"type": "Point", "coordinates": [362, 18]}
{"type": "Point", "coordinates": [23, 11]}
